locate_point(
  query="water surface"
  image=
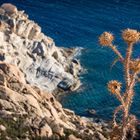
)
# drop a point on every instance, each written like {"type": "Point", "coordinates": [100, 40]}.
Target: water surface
{"type": "Point", "coordinates": [78, 23]}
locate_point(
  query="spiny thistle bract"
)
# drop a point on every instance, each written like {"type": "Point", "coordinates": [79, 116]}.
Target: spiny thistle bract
{"type": "Point", "coordinates": [106, 39]}
{"type": "Point", "coordinates": [114, 86]}
{"type": "Point", "coordinates": [130, 36]}
{"type": "Point", "coordinates": [131, 68]}
{"type": "Point", "coordinates": [135, 65]}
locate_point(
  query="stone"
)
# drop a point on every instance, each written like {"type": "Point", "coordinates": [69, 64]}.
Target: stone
{"type": "Point", "coordinates": [2, 80]}
{"type": "Point", "coordinates": [69, 112]}
{"type": "Point", "coordinates": [72, 137]}
{"type": "Point", "coordinates": [33, 102]}
{"type": "Point", "coordinates": [100, 136]}
{"type": "Point", "coordinates": [2, 11]}
{"type": "Point", "coordinates": [36, 54]}
{"type": "Point", "coordinates": [21, 26]}
{"type": "Point", "coordinates": [65, 84]}
{"type": "Point", "coordinates": [9, 8]}
{"type": "Point", "coordinates": [2, 128]}
{"type": "Point", "coordinates": [32, 67]}
{"type": "Point", "coordinates": [6, 105]}
{"type": "Point", "coordinates": [55, 55]}
{"type": "Point", "coordinates": [40, 49]}
{"type": "Point", "coordinates": [76, 85]}
{"type": "Point", "coordinates": [35, 31]}
{"type": "Point", "coordinates": [27, 29]}
{"type": "Point", "coordinates": [57, 129]}
{"type": "Point", "coordinates": [46, 131]}
{"type": "Point", "coordinates": [75, 67]}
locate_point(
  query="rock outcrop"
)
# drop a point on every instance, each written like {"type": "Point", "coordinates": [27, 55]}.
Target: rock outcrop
{"type": "Point", "coordinates": [23, 44]}
{"type": "Point", "coordinates": [28, 112]}
{"type": "Point", "coordinates": [31, 68]}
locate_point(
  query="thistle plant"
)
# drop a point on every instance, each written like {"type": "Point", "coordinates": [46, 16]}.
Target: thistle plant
{"type": "Point", "coordinates": [131, 68]}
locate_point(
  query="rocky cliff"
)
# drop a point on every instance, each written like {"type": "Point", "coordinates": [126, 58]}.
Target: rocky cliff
{"type": "Point", "coordinates": [23, 44]}
{"type": "Point", "coordinates": [31, 68]}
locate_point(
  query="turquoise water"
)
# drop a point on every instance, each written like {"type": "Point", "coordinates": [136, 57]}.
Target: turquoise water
{"type": "Point", "coordinates": [78, 23]}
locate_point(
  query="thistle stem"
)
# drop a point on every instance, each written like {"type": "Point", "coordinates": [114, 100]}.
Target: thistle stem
{"type": "Point", "coordinates": [115, 50]}
{"type": "Point", "coordinates": [120, 98]}
{"type": "Point", "coordinates": [130, 93]}
{"type": "Point", "coordinates": [127, 64]}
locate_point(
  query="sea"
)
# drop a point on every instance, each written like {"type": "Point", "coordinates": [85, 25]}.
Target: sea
{"type": "Point", "coordinates": [78, 24]}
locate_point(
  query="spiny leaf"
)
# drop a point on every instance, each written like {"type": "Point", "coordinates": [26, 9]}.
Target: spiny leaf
{"type": "Point", "coordinates": [114, 62]}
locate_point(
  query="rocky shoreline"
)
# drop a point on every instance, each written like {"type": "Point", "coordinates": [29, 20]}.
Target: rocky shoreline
{"type": "Point", "coordinates": [36, 54]}
{"type": "Point", "coordinates": [31, 69]}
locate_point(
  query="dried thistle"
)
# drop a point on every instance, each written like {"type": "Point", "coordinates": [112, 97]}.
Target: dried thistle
{"type": "Point", "coordinates": [114, 86]}
{"type": "Point", "coordinates": [106, 39]}
{"type": "Point", "coordinates": [131, 69]}
{"type": "Point", "coordinates": [130, 36]}
{"type": "Point", "coordinates": [135, 65]}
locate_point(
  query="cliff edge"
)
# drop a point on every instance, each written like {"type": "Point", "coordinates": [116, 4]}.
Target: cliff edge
{"type": "Point", "coordinates": [31, 68]}
{"type": "Point", "coordinates": [24, 45]}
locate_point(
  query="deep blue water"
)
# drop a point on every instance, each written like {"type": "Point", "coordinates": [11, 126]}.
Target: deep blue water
{"type": "Point", "coordinates": [78, 23]}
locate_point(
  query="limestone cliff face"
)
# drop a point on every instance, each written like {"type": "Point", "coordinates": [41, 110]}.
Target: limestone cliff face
{"type": "Point", "coordinates": [31, 66]}
{"type": "Point", "coordinates": [23, 44]}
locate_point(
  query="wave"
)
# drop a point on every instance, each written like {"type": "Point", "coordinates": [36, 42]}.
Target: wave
{"type": "Point", "coordinates": [78, 51]}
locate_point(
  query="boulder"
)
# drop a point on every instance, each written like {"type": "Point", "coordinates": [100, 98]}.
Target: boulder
{"type": "Point", "coordinates": [65, 84]}
{"type": "Point", "coordinates": [72, 137]}
{"type": "Point", "coordinates": [56, 128]}
{"type": "Point", "coordinates": [46, 131]}
{"type": "Point", "coordinates": [2, 11]}
{"type": "Point", "coordinates": [2, 128]}
{"type": "Point", "coordinates": [34, 32]}
{"type": "Point", "coordinates": [40, 49]}
{"type": "Point", "coordinates": [9, 8]}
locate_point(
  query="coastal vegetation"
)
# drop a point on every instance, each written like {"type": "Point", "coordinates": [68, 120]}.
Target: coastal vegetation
{"type": "Point", "coordinates": [124, 125]}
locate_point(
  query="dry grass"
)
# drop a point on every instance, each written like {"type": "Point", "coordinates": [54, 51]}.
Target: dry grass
{"type": "Point", "coordinates": [131, 68]}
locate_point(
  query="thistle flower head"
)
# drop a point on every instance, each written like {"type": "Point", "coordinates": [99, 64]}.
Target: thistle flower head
{"type": "Point", "coordinates": [105, 39]}
{"type": "Point", "coordinates": [114, 86]}
{"type": "Point", "coordinates": [130, 36]}
{"type": "Point", "coordinates": [135, 65]}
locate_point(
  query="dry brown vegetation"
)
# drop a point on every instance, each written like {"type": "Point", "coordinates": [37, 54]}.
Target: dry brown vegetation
{"type": "Point", "coordinates": [131, 68]}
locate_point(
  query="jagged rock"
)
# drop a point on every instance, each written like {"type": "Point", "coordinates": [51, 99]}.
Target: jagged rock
{"type": "Point", "coordinates": [65, 84]}
{"type": "Point", "coordinates": [75, 67]}
{"type": "Point", "coordinates": [9, 8]}
{"type": "Point", "coordinates": [2, 128]}
{"type": "Point", "coordinates": [35, 54]}
{"type": "Point", "coordinates": [35, 31]}
{"type": "Point", "coordinates": [99, 136]}
{"type": "Point", "coordinates": [2, 11]}
{"type": "Point", "coordinates": [68, 112]}
{"type": "Point", "coordinates": [72, 137]}
{"type": "Point", "coordinates": [46, 131]}
{"type": "Point", "coordinates": [40, 49]}
{"type": "Point", "coordinates": [31, 68]}
{"type": "Point", "coordinates": [6, 105]}
{"type": "Point", "coordinates": [56, 128]}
